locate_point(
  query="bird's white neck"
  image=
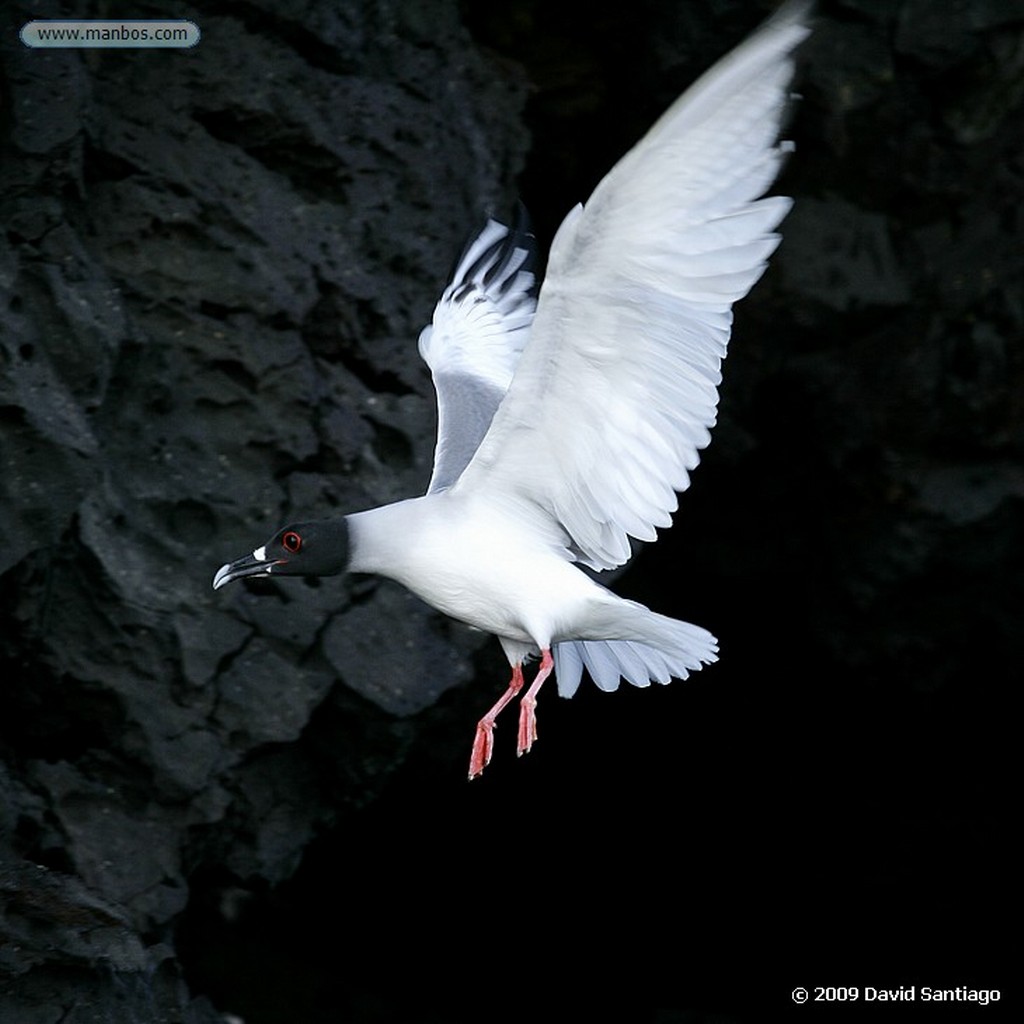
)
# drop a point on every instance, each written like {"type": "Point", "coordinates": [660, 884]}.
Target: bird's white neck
{"type": "Point", "coordinates": [382, 538]}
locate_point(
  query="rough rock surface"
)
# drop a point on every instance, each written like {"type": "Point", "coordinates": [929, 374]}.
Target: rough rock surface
{"type": "Point", "coordinates": [213, 266]}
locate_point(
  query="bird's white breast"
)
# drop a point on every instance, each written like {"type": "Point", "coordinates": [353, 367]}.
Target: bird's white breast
{"type": "Point", "coordinates": [476, 562]}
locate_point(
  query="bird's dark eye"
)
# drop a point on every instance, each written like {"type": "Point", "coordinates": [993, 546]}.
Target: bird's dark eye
{"type": "Point", "coordinates": [292, 542]}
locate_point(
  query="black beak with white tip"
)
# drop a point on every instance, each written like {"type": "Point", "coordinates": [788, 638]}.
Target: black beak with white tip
{"type": "Point", "coordinates": [250, 565]}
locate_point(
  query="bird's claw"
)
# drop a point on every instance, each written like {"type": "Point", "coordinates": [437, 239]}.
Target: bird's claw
{"type": "Point", "coordinates": [527, 726]}
{"type": "Point", "coordinates": [483, 745]}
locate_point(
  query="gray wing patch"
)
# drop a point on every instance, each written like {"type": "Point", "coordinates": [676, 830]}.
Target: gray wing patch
{"type": "Point", "coordinates": [474, 402]}
{"type": "Point", "coordinates": [473, 343]}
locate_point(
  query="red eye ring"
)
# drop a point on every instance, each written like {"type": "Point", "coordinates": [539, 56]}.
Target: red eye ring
{"type": "Point", "coordinates": [291, 542]}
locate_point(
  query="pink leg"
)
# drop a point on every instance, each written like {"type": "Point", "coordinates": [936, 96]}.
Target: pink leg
{"type": "Point", "coordinates": [483, 742]}
{"type": "Point", "coordinates": [527, 718]}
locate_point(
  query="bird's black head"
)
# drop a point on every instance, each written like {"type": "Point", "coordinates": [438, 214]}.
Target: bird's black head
{"type": "Point", "coordinates": [319, 548]}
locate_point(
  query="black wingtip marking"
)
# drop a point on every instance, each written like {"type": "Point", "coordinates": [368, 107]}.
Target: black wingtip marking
{"type": "Point", "coordinates": [494, 262]}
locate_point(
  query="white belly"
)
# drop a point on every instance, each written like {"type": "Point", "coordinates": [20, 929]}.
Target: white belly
{"type": "Point", "coordinates": [476, 564]}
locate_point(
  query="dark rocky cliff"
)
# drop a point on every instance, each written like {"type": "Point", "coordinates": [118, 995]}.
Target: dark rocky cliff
{"type": "Point", "coordinates": [213, 268]}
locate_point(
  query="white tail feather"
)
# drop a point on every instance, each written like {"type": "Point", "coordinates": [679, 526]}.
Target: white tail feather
{"type": "Point", "coordinates": [665, 649]}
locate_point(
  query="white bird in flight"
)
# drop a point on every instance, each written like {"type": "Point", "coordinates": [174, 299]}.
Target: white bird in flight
{"type": "Point", "coordinates": [567, 423]}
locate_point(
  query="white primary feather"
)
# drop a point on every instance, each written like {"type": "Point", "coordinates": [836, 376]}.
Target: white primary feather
{"type": "Point", "coordinates": [614, 395]}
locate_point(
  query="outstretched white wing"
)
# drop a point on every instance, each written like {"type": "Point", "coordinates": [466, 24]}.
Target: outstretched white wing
{"type": "Point", "coordinates": [480, 327]}
{"type": "Point", "coordinates": [614, 395]}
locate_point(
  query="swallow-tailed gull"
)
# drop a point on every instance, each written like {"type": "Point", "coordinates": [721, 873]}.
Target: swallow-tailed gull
{"type": "Point", "coordinates": [569, 417]}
